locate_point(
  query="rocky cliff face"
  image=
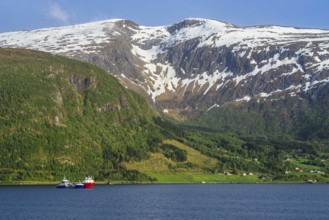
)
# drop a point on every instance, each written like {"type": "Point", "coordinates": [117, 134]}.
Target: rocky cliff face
{"type": "Point", "coordinates": [197, 65]}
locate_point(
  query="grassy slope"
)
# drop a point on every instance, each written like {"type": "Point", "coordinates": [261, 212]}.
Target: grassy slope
{"type": "Point", "coordinates": [159, 163]}
{"type": "Point", "coordinates": [195, 156]}
{"type": "Point", "coordinates": [203, 177]}
{"type": "Point", "coordinates": [157, 166]}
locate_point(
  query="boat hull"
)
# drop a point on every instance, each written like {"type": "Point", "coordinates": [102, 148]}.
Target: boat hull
{"type": "Point", "coordinates": [78, 186]}
{"type": "Point", "coordinates": [88, 185]}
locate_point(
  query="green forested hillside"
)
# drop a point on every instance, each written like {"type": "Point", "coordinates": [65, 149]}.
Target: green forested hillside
{"type": "Point", "coordinates": [59, 116]}
{"type": "Point", "coordinates": [62, 117]}
{"type": "Point", "coordinates": [300, 120]}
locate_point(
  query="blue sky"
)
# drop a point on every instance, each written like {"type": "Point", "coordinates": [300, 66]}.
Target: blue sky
{"type": "Point", "coordinates": [18, 15]}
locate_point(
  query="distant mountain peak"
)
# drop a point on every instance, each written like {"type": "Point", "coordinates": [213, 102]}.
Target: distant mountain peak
{"type": "Point", "coordinates": [196, 63]}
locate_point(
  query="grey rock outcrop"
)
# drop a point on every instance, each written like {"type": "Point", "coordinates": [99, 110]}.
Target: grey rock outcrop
{"type": "Point", "coordinates": [197, 65]}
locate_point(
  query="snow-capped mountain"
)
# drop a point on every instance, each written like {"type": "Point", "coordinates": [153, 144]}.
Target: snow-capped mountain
{"type": "Point", "coordinates": [197, 64]}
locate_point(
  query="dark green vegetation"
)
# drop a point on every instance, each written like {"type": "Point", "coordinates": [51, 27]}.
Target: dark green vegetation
{"type": "Point", "coordinates": [174, 153]}
{"type": "Point", "coordinates": [59, 116]}
{"type": "Point", "coordinates": [293, 118]}
{"type": "Point", "coordinates": [270, 159]}
{"type": "Point", "coordinates": [63, 117]}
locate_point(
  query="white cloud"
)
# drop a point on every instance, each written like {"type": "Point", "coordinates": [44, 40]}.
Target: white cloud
{"type": "Point", "coordinates": [58, 13]}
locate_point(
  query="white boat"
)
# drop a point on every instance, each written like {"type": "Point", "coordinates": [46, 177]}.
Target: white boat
{"type": "Point", "coordinates": [65, 183]}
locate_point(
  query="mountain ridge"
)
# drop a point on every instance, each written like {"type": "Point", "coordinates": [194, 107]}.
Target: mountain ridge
{"type": "Point", "coordinates": [197, 65]}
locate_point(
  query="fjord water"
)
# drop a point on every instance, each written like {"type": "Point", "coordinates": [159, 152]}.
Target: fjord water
{"type": "Point", "coordinates": [194, 201]}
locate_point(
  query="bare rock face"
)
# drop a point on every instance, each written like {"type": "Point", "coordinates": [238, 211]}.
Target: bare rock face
{"type": "Point", "coordinates": [82, 84]}
{"type": "Point", "coordinates": [197, 65]}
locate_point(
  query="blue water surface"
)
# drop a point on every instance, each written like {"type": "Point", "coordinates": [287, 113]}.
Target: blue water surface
{"type": "Point", "coordinates": [181, 201]}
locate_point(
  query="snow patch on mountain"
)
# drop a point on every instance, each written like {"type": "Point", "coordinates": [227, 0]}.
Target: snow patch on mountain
{"type": "Point", "coordinates": [263, 95]}
{"type": "Point", "coordinates": [202, 31]}
{"type": "Point", "coordinates": [86, 38]}
{"type": "Point", "coordinates": [144, 34]}
{"type": "Point", "coordinates": [298, 53]}
{"type": "Point", "coordinates": [210, 33]}
{"type": "Point", "coordinates": [254, 37]}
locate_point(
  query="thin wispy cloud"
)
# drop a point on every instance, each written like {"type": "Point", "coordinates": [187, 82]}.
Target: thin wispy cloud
{"type": "Point", "coordinates": [57, 13]}
{"type": "Point", "coordinates": [99, 17]}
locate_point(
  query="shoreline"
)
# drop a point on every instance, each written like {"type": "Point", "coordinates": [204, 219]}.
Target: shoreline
{"type": "Point", "coordinates": [40, 183]}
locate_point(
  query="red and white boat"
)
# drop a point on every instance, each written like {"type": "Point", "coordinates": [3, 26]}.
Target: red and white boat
{"type": "Point", "coordinates": [88, 182]}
